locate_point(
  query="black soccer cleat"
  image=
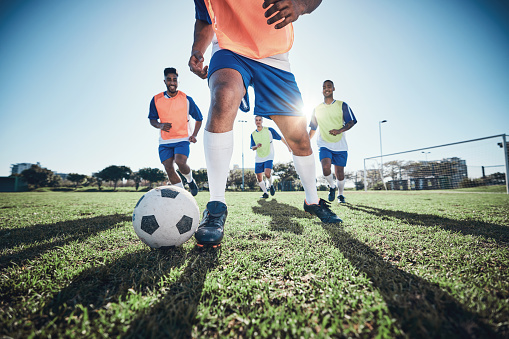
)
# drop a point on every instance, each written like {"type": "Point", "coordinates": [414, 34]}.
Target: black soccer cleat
{"type": "Point", "coordinates": [322, 211]}
{"type": "Point", "coordinates": [211, 228]}
{"type": "Point", "coordinates": [332, 193]}
{"type": "Point", "coordinates": [272, 190]}
{"type": "Point", "coordinates": [341, 199]}
{"type": "Point", "coordinates": [264, 196]}
{"type": "Point", "coordinates": [193, 188]}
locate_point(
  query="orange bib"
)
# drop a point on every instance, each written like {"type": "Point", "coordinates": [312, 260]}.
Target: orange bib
{"type": "Point", "coordinates": [241, 27]}
{"type": "Point", "coordinates": [175, 111]}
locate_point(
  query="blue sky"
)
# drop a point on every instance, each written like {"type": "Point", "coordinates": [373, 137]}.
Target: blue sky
{"type": "Point", "coordinates": [77, 77]}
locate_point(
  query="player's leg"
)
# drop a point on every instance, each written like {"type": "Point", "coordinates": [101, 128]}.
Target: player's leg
{"type": "Point", "coordinates": [259, 179]}
{"type": "Point", "coordinates": [326, 160]}
{"type": "Point", "coordinates": [277, 96]}
{"type": "Point", "coordinates": [181, 156]}
{"type": "Point", "coordinates": [167, 157]}
{"type": "Point", "coordinates": [173, 177]}
{"type": "Point", "coordinates": [268, 175]}
{"type": "Point", "coordinates": [339, 168]}
{"type": "Point", "coordinates": [226, 92]}
{"type": "Point", "coordinates": [295, 132]}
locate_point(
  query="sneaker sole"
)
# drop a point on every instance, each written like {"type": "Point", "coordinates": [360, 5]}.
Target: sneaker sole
{"type": "Point", "coordinates": [208, 245]}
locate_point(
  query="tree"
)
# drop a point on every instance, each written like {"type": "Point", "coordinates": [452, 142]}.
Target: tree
{"type": "Point", "coordinates": [234, 178]}
{"type": "Point", "coordinates": [152, 175]}
{"type": "Point", "coordinates": [200, 176]}
{"type": "Point", "coordinates": [114, 173]}
{"type": "Point", "coordinates": [250, 179]}
{"type": "Point", "coordinates": [393, 169]}
{"type": "Point", "coordinates": [40, 177]}
{"type": "Point", "coordinates": [286, 173]}
{"type": "Point", "coordinates": [98, 180]}
{"type": "Point", "coordinates": [76, 178]}
{"type": "Point", "coordinates": [137, 179]}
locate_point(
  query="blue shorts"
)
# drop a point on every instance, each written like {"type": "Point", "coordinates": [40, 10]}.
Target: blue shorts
{"type": "Point", "coordinates": [337, 158]}
{"type": "Point", "coordinates": [261, 166]}
{"type": "Point", "coordinates": [276, 91]}
{"type": "Point", "coordinates": [167, 151]}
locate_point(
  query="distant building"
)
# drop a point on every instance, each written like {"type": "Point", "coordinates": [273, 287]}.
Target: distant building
{"type": "Point", "coordinates": [458, 170]}
{"type": "Point", "coordinates": [62, 175]}
{"type": "Point", "coordinates": [18, 168]}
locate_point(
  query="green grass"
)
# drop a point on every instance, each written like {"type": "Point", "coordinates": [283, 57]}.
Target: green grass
{"type": "Point", "coordinates": [403, 264]}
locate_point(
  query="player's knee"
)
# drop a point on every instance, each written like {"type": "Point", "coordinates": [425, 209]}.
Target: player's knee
{"type": "Point", "coordinates": [224, 97]}
{"type": "Point", "coordinates": [340, 175]}
{"type": "Point", "coordinates": [180, 162]}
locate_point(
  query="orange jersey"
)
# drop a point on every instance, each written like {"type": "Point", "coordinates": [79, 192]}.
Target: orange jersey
{"type": "Point", "coordinates": [241, 27]}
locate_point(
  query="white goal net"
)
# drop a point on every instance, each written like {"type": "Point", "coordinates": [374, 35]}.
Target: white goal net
{"type": "Point", "coordinates": [467, 164]}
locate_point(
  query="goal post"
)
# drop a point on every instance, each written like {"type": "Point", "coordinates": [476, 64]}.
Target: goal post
{"type": "Point", "coordinates": [476, 164]}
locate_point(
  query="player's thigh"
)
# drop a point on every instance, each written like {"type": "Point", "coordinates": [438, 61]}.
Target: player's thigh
{"type": "Point", "coordinates": [168, 164]}
{"type": "Point", "coordinates": [294, 130]}
{"type": "Point", "coordinates": [180, 159]}
{"type": "Point", "coordinates": [182, 151]}
{"type": "Point", "coordinates": [166, 154]}
{"type": "Point", "coordinates": [326, 163]}
{"type": "Point", "coordinates": [226, 92]}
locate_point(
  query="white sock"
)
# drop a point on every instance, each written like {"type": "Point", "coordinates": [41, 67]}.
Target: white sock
{"type": "Point", "coordinates": [262, 186]}
{"type": "Point", "coordinates": [305, 167]}
{"type": "Point", "coordinates": [341, 186]}
{"type": "Point", "coordinates": [330, 180]}
{"type": "Point", "coordinates": [188, 176]}
{"type": "Point", "coordinates": [218, 154]}
{"type": "Point", "coordinates": [179, 185]}
{"type": "Point", "coordinates": [270, 180]}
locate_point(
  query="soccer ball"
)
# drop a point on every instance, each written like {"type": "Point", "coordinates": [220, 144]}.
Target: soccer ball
{"type": "Point", "coordinates": [166, 216]}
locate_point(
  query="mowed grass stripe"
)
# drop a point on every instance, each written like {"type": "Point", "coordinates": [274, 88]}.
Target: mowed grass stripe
{"type": "Point", "coordinates": [403, 264]}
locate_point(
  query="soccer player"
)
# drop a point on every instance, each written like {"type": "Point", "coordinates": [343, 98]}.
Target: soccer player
{"type": "Point", "coordinates": [250, 44]}
{"type": "Point", "coordinates": [170, 111]}
{"type": "Point", "coordinates": [333, 117]}
{"type": "Point", "coordinates": [261, 142]}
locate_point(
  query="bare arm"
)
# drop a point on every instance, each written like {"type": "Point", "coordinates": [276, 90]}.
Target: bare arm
{"type": "Point", "coordinates": [345, 128]}
{"type": "Point", "coordinates": [165, 126]}
{"type": "Point", "coordinates": [288, 10]}
{"type": "Point", "coordinates": [203, 34]}
{"type": "Point", "coordinates": [312, 133]}
{"type": "Point", "coordinates": [197, 126]}
{"type": "Point", "coordinates": [254, 148]}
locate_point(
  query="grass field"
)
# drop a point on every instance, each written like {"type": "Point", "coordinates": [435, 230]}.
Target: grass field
{"type": "Point", "coordinates": [403, 264]}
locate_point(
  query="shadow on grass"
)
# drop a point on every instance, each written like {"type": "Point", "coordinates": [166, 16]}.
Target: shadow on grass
{"type": "Point", "coordinates": [41, 238]}
{"type": "Point", "coordinates": [422, 309]}
{"type": "Point", "coordinates": [175, 314]}
{"type": "Point", "coordinates": [498, 233]}
{"type": "Point", "coordinates": [283, 215]}
{"type": "Point", "coordinates": [122, 282]}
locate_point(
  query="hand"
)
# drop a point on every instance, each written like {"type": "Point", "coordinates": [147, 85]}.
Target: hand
{"type": "Point", "coordinates": [166, 126]}
{"type": "Point", "coordinates": [259, 145]}
{"type": "Point", "coordinates": [196, 65]}
{"type": "Point", "coordinates": [335, 132]}
{"type": "Point", "coordinates": [192, 139]}
{"type": "Point", "coordinates": [287, 10]}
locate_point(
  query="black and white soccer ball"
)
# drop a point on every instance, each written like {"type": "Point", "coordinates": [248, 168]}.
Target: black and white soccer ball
{"type": "Point", "coordinates": [166, 216]}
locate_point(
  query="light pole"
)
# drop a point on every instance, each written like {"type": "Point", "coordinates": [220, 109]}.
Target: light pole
{"type": "Point", "coordinates": [426, 155]}
{"type": "Point", "coordinates": [426, 167]}
{"type": "Point", "coordinates": [242, 130]}
{"type": "Point", "coordinates": [381, 154]}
